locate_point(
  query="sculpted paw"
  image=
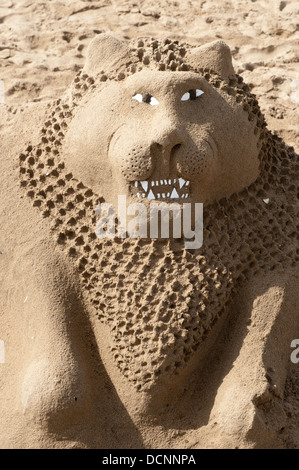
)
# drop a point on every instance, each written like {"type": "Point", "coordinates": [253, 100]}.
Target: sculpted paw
{"type": "Point", "coordinates": [53, 397]}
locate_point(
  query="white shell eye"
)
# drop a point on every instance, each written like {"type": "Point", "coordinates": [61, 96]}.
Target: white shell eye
{"type": "Point", "coordinates": [146, 98]}
{"type": "Point", "coordinates": [153, 101]}
{"type": "Point", "coordinates": [192, 95]}
{"type": "Point", "coordinates": [137, 97]}
{"type": "Point", "coordinates": [186, 96]}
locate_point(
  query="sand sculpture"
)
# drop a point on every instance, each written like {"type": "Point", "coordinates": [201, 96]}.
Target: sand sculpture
{"type": "Point", "coordinates": [140, 342]}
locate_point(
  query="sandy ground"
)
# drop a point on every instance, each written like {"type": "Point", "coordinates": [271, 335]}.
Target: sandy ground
{"type": "Point", "coordinates": [43, 44]}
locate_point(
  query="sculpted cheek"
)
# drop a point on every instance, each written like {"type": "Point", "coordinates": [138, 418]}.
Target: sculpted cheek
{"type": "Point", "coordinates": [196, 160]}
{"type": "Point", "coordinates": [134, 159]}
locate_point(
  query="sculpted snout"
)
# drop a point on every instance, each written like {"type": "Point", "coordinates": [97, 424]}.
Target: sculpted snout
{"type": "Point", "coordinates": [167, 131]}
{"type": "Point", "coordinates": [163, 149]}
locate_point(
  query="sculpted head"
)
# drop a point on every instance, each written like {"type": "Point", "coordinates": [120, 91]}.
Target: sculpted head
{"type": "Point", "coordinates": [155, 127]}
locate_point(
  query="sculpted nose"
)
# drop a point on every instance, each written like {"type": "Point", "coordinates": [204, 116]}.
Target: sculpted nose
{"type": "Point", "coordinates": [166, 138]}
{"type": "Point", "coordinates": [166, 133]}
{"type": "Point", "coordinates": [166, 142]}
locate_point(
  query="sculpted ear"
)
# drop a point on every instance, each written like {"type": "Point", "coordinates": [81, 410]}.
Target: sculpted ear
{"type": "Point", "coordinates": [215, 56]}
{"type": "Point", "coordinates": [105, 53]}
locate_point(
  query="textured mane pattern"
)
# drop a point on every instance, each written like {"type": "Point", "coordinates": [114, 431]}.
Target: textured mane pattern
{"type": "Point", "coordinates": [160, 300]}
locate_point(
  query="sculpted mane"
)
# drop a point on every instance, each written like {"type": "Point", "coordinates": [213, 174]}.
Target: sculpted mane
{"type": "Point", "coordinates": [160, 300]}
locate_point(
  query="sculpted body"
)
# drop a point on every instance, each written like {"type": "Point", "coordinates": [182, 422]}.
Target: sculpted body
{"type": "Point", "coordinates": [108, 341]}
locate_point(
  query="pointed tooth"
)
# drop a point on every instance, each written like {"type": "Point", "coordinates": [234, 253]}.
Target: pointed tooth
{"type": "Point", "coordinates": [174, 193]}
{"type": "Point", "coordinates": [151, 195]}
{"type": "Point", "coordinates": [182, 182]}
{"type": "Point", "coordinates": [144, 184]}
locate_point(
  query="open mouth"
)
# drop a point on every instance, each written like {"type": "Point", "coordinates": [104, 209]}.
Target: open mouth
{"type": "Point", "coordinates": [170, 188]}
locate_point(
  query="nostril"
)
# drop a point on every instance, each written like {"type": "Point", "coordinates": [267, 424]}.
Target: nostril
{"type": "Point", "coordinates": [174, 149]}
{"type": "Point", "coordinates": [156, 148]}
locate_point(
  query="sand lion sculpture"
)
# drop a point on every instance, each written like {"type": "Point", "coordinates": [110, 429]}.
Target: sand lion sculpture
{"type": "Point", "coordinates": [140, 342]}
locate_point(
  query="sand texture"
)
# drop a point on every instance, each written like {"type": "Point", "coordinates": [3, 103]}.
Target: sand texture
{"type": "Point", "coordinates": [133, 343]}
